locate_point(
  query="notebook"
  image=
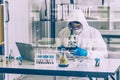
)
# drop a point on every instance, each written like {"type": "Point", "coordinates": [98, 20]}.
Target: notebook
{"type": "Point", "coordinates": [26, 51]}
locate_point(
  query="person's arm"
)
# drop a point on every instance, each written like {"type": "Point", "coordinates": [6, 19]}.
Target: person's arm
{"type": "Point", "coordinates": [99, 49]}
{"type": "Point", "coordinates": [94, 47]}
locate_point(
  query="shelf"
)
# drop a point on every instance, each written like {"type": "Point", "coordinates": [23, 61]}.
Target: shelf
{"type": "Point", "coordinates": [115, 20]}
{"type": "Point", "coordinates": [98, 20]}
{"type": "Point", "coordinates": [110, 32]}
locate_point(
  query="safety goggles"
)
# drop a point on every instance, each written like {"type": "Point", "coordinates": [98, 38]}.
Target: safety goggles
{"type": "Point", "coordinates": [75, 25]}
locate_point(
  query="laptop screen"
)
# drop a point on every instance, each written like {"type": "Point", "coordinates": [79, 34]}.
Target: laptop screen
{"type": "Point", "coordinates": [26, 51]}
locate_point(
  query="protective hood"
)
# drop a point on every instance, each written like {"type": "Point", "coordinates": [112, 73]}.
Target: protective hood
{"type": "Point", "coordinates": [77, 15]}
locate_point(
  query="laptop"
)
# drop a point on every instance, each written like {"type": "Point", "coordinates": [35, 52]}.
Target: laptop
{"type": "Point", "coordinates": [26, 51]}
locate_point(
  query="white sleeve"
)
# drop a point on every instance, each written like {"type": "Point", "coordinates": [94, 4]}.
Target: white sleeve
{"type": "Point", "coordinates": [99, 49]}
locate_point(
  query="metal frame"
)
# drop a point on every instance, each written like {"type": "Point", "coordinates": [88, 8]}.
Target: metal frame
{"type": "Point", "coordinates": [60, 73]}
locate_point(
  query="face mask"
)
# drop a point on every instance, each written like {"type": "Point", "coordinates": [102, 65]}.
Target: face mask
{"type": "Point", "coordinates": [77, 31]}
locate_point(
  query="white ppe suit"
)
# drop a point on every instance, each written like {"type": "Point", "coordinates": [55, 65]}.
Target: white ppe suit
{"type": "Point", "coordinates": [89, 39]}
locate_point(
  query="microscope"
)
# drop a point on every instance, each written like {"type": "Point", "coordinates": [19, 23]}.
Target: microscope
{"type": "Point", "coordinates": [72, 44]}
{"type": "Point", "coordinates": [72, 39]}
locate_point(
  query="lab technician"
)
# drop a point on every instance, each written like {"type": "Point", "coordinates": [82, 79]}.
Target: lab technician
{"type": "Point", "coordinates": [89, 40]}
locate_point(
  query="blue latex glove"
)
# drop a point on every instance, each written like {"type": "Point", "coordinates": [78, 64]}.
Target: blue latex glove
{"type": "Point", "coordinates": [61, 47]}
{"type": "Point", "coordinates": [80, 52]}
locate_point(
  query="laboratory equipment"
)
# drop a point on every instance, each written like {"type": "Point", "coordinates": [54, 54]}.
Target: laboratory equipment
{"type": "Point", "coordinates": [1, 58]}
{"type": "Point", "coordinates": [97, 62]}
{"type": "Point", "coordinates": [71, 43]}
{"type": "Point", "coordinates": [71, 39]}
{"type": "Point", "coordinates": [7, 60]}
{"type": "Point", "coordinates": [19, 59]}
{"type": "Point", "coordinates": [63, 59]}
{"type": "Point", "coordinates": [71, 46]}
{"type": "Point", "coordinates": [11, 55]}
{"type": "Point", "coordinates": [46, 57]}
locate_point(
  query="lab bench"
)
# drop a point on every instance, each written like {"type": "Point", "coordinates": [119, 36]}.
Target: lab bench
{"type": "Point", "coordinates": [84, 68]}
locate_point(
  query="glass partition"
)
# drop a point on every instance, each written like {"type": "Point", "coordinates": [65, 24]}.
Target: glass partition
{"type": "Point", "coordinates": [42, 21]}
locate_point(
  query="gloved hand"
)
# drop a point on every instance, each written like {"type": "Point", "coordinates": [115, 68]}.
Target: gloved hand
{"type": "Point", "coordinates": [61, 47]}
{"type": "Point", "coordinates": [80, 52]}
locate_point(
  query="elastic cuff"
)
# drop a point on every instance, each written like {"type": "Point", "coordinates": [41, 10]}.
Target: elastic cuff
{"type": "Point", "coordinates": [89, 54]}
